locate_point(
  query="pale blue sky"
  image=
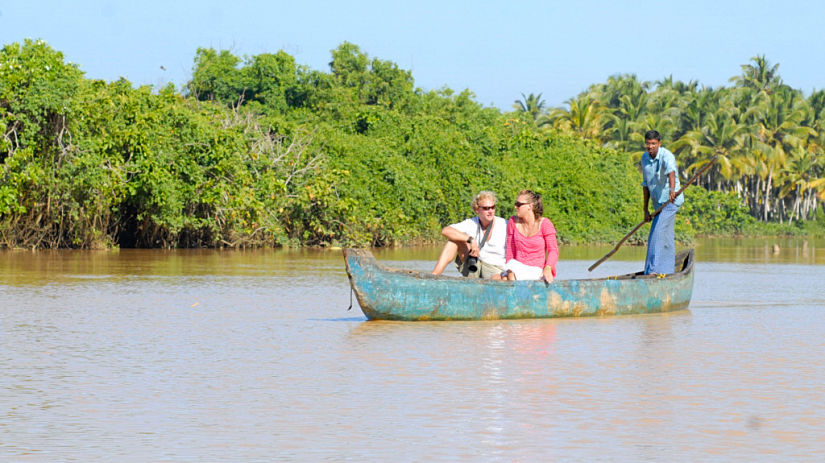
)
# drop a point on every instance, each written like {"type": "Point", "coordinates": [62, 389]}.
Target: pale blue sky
{"type": "Point", "coordinates": [497, 49]}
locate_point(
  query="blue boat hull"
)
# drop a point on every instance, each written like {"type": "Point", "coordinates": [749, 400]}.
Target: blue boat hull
{"type": "Point", "coordinates": [393, 294]}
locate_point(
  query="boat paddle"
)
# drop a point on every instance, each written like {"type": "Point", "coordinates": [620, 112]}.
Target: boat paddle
{"type": "Point", "coordinates": [616, 248]}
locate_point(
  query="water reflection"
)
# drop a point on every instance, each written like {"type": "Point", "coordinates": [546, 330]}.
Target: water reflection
{"type": "Point", "coordinates": [772, 250]}
{"type": "Point", "coordinates": [252, 356]}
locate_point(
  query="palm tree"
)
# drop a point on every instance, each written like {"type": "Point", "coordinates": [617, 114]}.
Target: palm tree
{"type": "Point", "coordinates": [722, 136]}
{"type": "Point", "coordinates": [531, 104]}
{"type": "Point", "coordinates": [770, 141]}
{"type": "Point", "coordinates": [621, 102]}
{"type": "Point", "coordinates": [622, 134]}
{"type": "Point", "coordinates": [812, 167]}
{"type": "Point", "coordinates": [617, 86]}
{"type": "Point", "coordinates": [778, 130]}
{"type": "Point", "coordinates": [796, 179]}
{"type": "Point", "coordinates": [583, 117]}
{"type": "Point", "coordinates": [697, 107]}
{"type": "Point", "coordinates": [678, 86]}
{"type": "Point", "coordinates": [759, 76]}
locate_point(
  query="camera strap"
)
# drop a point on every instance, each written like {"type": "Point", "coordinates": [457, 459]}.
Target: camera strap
{"type": "Point", "coordinates": [486, 233]}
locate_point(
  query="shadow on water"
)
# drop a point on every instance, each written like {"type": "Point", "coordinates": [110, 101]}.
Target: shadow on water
{"type": "Point", "coordinates": [344, 319]}
{"type": "Point", "coordinates": [369, 327]}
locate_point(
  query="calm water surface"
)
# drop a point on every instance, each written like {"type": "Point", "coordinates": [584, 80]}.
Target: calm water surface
{"type": "Point", "coordinates": [252, 356]}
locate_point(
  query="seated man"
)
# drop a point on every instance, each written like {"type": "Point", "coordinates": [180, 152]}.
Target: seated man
{"type": "Point", "coordinates": [481, 237]}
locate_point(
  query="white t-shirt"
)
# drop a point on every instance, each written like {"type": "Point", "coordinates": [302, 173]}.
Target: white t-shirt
{"type": "Point", "coordinates": [493, 250]}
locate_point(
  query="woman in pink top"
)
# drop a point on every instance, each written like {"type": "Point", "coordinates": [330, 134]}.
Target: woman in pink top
{"type": "Point", "coordinates": [532, 251]}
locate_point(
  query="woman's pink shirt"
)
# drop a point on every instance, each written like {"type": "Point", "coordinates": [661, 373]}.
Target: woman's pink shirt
{"type": "Point", "coordinates": [539, 250]}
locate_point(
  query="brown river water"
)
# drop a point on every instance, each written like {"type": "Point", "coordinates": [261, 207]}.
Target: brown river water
{"type": "Point", "coordinates": [213, 356]}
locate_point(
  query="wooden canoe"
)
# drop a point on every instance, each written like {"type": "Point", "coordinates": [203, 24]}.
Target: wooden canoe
{"type": "Point", "coordinates": [393, 294]}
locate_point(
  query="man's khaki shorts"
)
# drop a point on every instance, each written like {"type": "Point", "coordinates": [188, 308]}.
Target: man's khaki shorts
{"type": "Point", "coordinates": [484, 269]}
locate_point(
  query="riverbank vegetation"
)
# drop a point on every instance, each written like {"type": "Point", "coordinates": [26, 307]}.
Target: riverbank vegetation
{"type": "Point", "coordinates": [768, 136]}
{"type": "Point", "coordinates": [261, 151]}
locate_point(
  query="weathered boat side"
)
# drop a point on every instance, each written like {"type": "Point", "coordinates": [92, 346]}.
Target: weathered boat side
{"type": "Point", "coordinates": [393, 294]}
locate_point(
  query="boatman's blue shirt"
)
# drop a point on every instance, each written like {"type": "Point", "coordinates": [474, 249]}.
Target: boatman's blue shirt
{"type": "Point", "coordinates": [655, 176]}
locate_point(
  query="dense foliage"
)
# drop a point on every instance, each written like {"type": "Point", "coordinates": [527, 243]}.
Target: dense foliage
{"type": "Point", "coordinates": [768, 137]}
{"type": "Point", "coordinates": [260, 151]}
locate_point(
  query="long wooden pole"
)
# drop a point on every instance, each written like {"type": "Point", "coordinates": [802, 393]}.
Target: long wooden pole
{"type": "Point", "coordinates": [637, 227]}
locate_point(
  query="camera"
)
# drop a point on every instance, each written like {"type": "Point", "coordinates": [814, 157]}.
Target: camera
{"type": "Point", "coordinates": [472, 264]}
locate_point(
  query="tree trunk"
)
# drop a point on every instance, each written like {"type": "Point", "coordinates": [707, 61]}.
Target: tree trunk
{"type": "Point", "coordinates": [810, 205]}
{"type": "Point", "coordinates": [803, 214]}
{"type": "Point", "coordinates": [767, 203]}
{"type": "Point", "coordinates": [797, 200]}
{"type": "Point", "coordinates": [753, 188]}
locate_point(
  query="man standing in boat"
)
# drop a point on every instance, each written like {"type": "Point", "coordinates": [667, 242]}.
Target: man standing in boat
{"type": "Point", "coordinates": [476, 244]}
{"type": "Point", "coordinates": [660, 181]}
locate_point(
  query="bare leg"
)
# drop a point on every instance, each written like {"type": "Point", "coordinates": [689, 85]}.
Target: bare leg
{"type": "Point", "coordinates": [447, 255]}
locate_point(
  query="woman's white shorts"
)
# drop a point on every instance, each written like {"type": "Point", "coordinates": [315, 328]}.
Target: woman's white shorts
{"type": "Point", "coordinates": [523, 271]}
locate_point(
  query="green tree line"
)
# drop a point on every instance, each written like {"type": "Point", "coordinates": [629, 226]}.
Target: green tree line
{"type": "Point", "coordinates": [768, 137]}
{"type": "Point", "coordinates": [262, 151]}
